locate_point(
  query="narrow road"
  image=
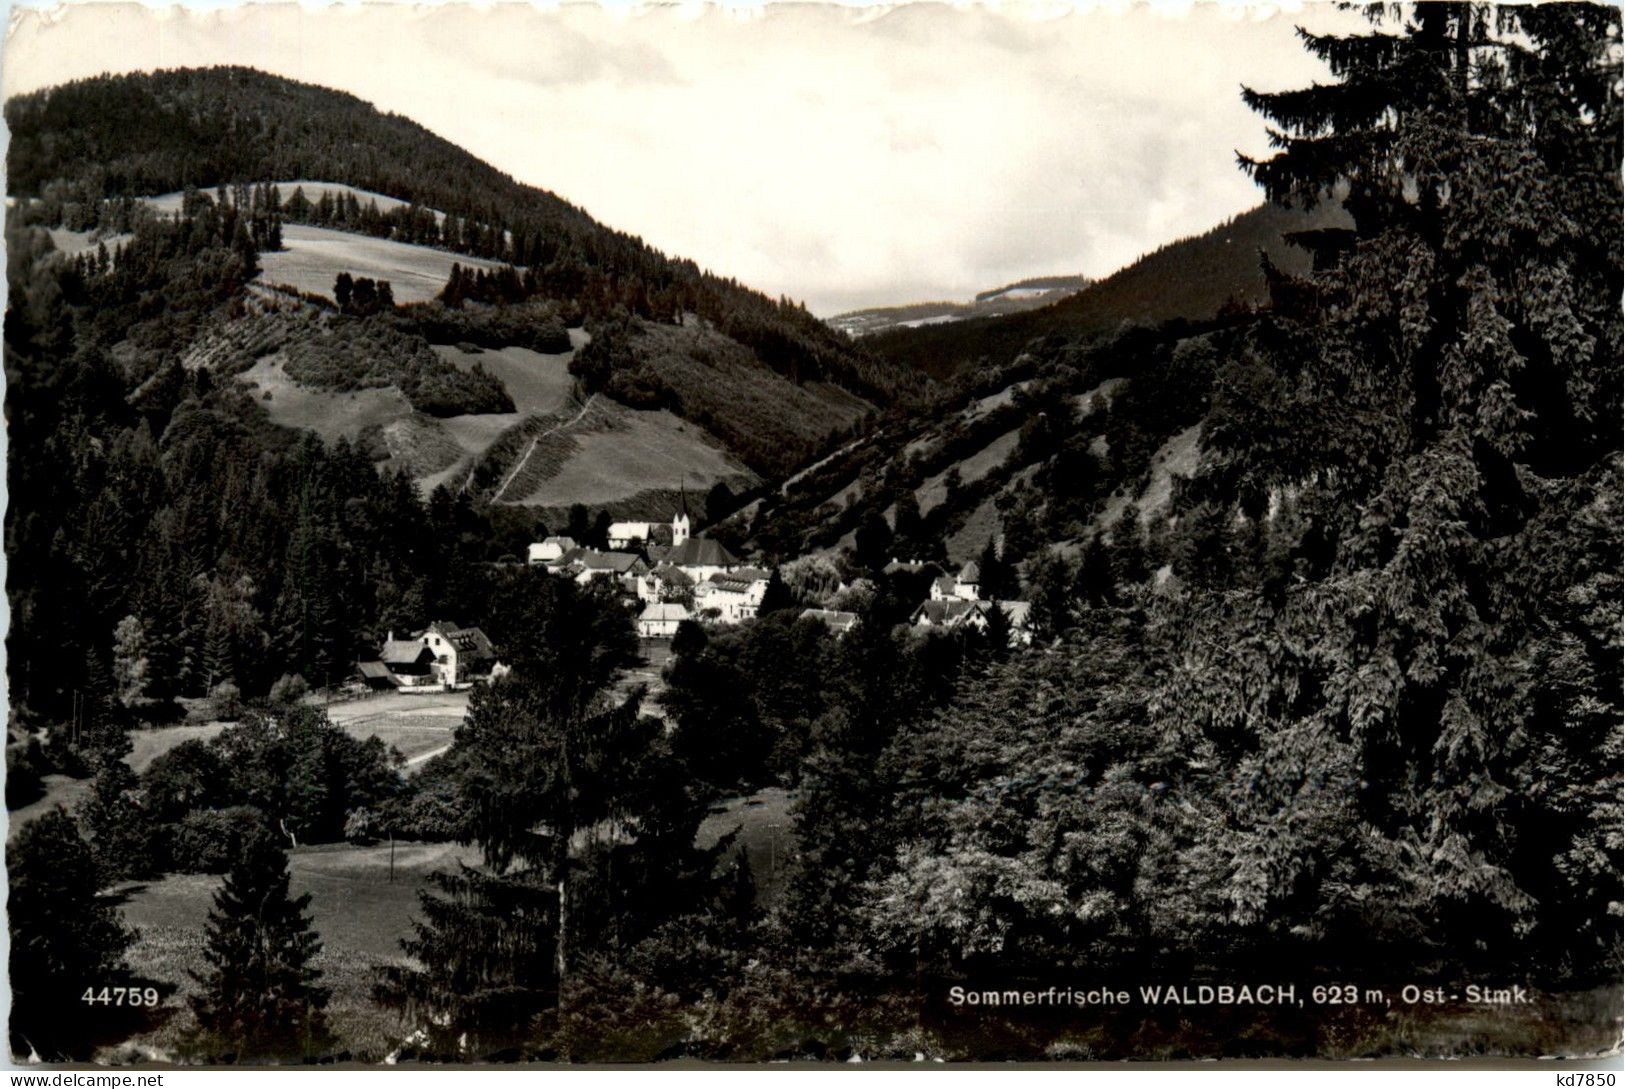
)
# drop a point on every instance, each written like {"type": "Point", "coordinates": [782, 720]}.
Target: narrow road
{"type": "Point", "coordinates": [423, 758]}
{"type": "Point", "coordinates": [496, 497]}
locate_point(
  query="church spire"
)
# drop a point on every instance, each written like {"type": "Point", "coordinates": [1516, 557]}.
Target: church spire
{"type": "Point", "coordinates": [679, 521]}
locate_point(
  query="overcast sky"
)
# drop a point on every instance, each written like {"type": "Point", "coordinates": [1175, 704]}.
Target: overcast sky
{"type": "Point", "coordinates": [844, 156]}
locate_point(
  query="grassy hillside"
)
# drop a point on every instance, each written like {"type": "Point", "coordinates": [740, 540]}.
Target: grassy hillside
{"type": "Point", "coordinates": [77, 146]}
{"type": "Point", "coordinates": [1193, 278]}
{"type": "Point", "coordinates": [773, 423]}
{"type": "Point", "coordinates": [1046, 449]}
{"type": "Point", "coordinates": [314, 256]}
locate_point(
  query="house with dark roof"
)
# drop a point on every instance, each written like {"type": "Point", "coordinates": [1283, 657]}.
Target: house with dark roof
{"type": "Point", "coordinates": [377, 676]}
{"type": "Point", "coordinates": [406, 657]}
{"type": "Point", "coordinates": [950, 613]}
{"type": "Point", "coordinates": [664, 584]}
{"type": "Point", "coordinates": [593, 564]}
{"type": "Point", "coordinates": [954, 612]}
{"type": "Point", "coordinates": [401, 663]}
{"type": "Point", "coordinates": [701, 557]}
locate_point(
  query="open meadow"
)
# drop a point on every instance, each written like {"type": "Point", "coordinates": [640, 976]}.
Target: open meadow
{"type": "Point", "coordinates": [362, 906]}
{"type": "Point", "coordinates": [618, 452]}
{"type": "Point", "coordinates": [329, 413]}
{"type": "Point", "coordinates": [971, 469]}
{"type": "Point", "coordinates": [314, 256]}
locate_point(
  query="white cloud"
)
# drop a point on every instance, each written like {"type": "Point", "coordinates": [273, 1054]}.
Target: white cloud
{"type": "Point", "coordinates": [843, 156]}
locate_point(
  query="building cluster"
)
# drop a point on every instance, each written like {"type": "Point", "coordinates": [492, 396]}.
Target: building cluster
{"type": "Point", "coordinates": [673, 576]}
{"type": "Point", "coordinates": [956, 602]}
{"type": "Point", "coordinates": [443, 655]}
{"type": "Point", "coordinates": [691, 578]}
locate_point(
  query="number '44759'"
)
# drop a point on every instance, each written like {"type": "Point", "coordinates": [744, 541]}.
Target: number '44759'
{"type": "Point", "coordinates": [120, 996]}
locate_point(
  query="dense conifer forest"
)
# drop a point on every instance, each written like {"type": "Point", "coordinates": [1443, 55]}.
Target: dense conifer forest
{"type": "Point", "coordinates": [1343, 706]}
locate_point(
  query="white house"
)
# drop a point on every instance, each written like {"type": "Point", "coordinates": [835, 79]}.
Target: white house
{"type": "Point", "coordinates": [550, 549]}
{"type": "Point", "coordinates": [732, 596]}
{"type": "Point", "coordinates": [967, 584]}
{"type": "Point", "coordinates": [623, 535]}
{"type": "Point", "coordinates": [659, 621]}
{"type": "Point", "coordinates": [460, 654]}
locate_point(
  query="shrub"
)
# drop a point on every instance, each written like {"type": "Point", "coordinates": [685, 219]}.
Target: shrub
{"type": "Point", "coordinates": [433, 812]}
{"type": "Point", "coordinates": [361, 826]}
{"type": "Point", "coordinates": [209, 840]}
{"type": "Point", "coordinates": [25, 770]}
{"type": "Point", "coordinates": [289, 688]}
{"type": "Point", "coordinates": [226, 699]}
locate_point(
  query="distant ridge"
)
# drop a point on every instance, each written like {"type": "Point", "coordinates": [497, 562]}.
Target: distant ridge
{"type": "Point", "coordinates": [1192, 278]}
{"type": "Point", "coordinates": [1010, 299]}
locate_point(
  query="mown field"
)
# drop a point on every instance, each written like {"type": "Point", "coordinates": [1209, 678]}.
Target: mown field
{"type": "Point", "coordinates": [614, 452]}
{"type": "Point", "coordinates": [418, 725]}
{"type": "Point", "coordinates": [170, 203]}
{"type": "Point", "coordinates": [362, 906]}
{"type": "Point", "coordinates": [314, 256]}
{"type": "Point", "coordinates": [537, 383]}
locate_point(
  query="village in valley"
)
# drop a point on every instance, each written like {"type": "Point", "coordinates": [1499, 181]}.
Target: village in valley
{"type": "Point", "coordinates": [670, 574]}
{"type": "Point", "coordinates": [447, 628]}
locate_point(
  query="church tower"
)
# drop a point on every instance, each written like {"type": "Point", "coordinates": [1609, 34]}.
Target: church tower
{"type": "Point", "coordinates": [679, 521]}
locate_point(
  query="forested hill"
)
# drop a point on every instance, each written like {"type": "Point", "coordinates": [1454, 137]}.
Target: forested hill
{"type": "Point", "coordinates": [1192, 278]}
{"type": "Point", "coordinates": [143, 134]}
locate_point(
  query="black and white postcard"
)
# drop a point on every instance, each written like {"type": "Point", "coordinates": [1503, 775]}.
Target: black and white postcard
{"type": "Point", "coordinates": [813, 534]}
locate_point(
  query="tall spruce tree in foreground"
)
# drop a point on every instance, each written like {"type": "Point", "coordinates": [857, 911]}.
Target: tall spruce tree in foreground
{"type": "Point", "coordinates": [1443, 397]}
{"type": "Point", "coordinates": [585, 820]}
{"type": "Point", "coordinates": [1384, 734]}
{"type": "Point", "coordinates": [260, 1000]}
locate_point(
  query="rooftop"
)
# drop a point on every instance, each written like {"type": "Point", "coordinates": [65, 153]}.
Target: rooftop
{"type": "Point", "coordinates": [701, 552]}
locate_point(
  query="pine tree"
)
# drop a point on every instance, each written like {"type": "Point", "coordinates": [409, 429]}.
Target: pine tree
{"type": "Point", "coordinates": [998, 630]}
{"type": "Point", "coordinates": [776, 597]}
{"type": "Point", "coordinates": [486, 944]}
{"type": "Point", "coordinates": [1456, 342]}
{"type": "Point", "coordinates": [568, 790]}
{"type": "Point", "coordinates": [1053, 601]}
{"type": "Point", "coordinates": [260, 996]}
{"type": "Point", "coordinates": [997, 580]}
{"type": "Point", "coordinates": [130, 662]}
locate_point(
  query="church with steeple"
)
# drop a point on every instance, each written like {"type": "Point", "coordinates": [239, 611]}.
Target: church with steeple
{"type": "Point", "coordinates": [698, 557]}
